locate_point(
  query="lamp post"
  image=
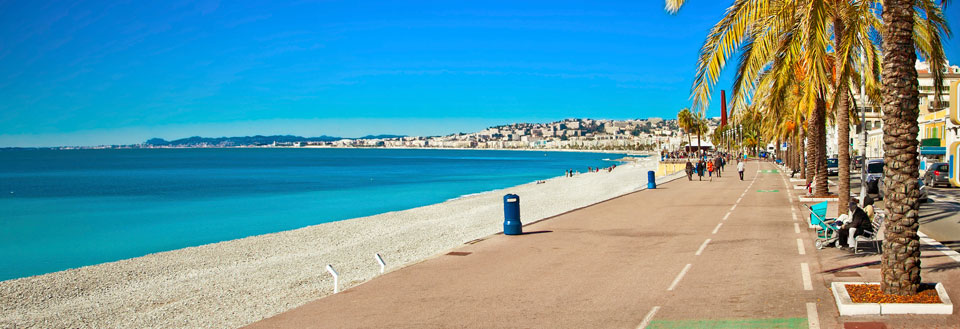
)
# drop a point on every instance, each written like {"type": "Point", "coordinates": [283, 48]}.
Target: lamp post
{"type": "Point", "coordinates": [863, 128]}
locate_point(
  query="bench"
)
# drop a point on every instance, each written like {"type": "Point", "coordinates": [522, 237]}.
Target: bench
{"type": "Point", "coordinates": [873, 238]}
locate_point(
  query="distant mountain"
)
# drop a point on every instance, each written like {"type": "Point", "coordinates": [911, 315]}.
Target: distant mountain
{"type": "Point", "coordinates": [380, 137]}
{"type": "Point", "coordinates": [251, 140]}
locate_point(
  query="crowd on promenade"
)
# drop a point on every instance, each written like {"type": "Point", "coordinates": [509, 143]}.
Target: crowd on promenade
{"type": "Point", "coordinates": [706, 164]}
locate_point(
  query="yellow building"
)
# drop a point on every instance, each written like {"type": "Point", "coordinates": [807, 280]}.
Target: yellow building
{"type": "Point", "coordinates": [933, 120]}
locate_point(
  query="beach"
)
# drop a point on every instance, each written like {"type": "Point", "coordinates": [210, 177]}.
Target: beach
{"type": "Point", "coordinates": [233, 283]}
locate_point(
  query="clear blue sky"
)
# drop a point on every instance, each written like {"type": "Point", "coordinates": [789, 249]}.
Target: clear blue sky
{"type": "Point", "coordinates": [109, 72]}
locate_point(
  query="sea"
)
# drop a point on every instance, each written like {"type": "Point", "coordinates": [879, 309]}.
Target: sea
{"type": "Point", "coordinates": [62, 209]}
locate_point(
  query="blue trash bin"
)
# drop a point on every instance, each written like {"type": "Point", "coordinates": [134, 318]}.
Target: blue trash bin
{"type": "Point", "coordinates": [511, 215]}
{"type": "Point", "coordinates": [651, 180]}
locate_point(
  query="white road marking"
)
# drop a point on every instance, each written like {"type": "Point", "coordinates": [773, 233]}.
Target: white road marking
{"type": "Point", "coordinates": [734, 207]}
{"type": "Point", "coordinates": [800, 248]}
{"type": "Point", "coordinates": [727, 215]}
{"type": "Point", "coordinates": [937, 245]}
{"type": "Point", "coordinates": [738, 200]}
{"type": "Point", "coordinates": [679, 276]}
{"type": "Point", "coordinates": [702, 246]}
{"type": "Point", "coordinates": [805, 273]}
{"type": "Point", "coordinates": [794, 216]}
{"type": "Point", "coordinates": [646, 319]}
{"type": "Point", "coordinates": [715, 229]}
{"type": "Point", "coordinates": [812, 318]}
{"type": "Point", "coordinates": [796, 228]}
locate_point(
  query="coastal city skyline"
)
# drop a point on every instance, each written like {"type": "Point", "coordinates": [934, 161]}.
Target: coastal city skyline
{"type": "Point", "coordinates": [647, 134]}
{"type": "Point", "coordinates": [93, 74]}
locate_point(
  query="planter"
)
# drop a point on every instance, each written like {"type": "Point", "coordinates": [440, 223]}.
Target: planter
{"type": "Point", "coordinates": [846, 306]}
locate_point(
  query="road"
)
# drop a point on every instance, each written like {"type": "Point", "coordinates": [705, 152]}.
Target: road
{"type": "Point", "coordinates": [939, 217]}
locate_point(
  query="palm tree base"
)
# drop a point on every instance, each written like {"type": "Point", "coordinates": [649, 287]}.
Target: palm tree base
{"type": "Point", "coordinates": [845, 297]}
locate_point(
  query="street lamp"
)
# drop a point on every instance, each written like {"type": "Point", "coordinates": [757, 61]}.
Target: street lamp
{"type": "Point", "coordinates": [863, 128]}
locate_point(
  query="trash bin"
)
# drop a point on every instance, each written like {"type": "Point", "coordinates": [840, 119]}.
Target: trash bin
{"type": "Point", "coordinates": [511, 215]}
{"type": "Point", "coordinates": [651, 180]}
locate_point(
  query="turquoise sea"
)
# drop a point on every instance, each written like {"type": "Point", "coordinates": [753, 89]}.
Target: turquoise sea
{"type": "Point", "coordinates": [62, 209]}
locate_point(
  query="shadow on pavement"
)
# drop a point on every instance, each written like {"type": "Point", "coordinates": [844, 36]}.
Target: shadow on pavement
{"type": "Point", "coordinates": [944, 267]}
{"type": "Point", "coordinates": [535, 232]}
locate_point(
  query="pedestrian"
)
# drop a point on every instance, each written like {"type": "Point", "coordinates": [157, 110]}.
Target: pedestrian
{"type": "Point", "coordinates": [700, 168]}
{"type": "Point", "coordinates": [740, 168]}
{"type": "Point", "coordinates": [689, 170]}
{"type": "Point", "coordinates": [710, 169]}
{"type": "Point", "coordinates": [718, 165]}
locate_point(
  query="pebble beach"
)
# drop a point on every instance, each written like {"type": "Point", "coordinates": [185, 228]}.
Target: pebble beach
{"type": "Point", "coordinates": [233, 283]}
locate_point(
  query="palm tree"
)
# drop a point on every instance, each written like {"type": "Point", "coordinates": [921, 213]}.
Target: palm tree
{"type": "Point", "coordinates": [700, 124]}
{"type": "Point", "coordinates": [901, 248]}
{"type": "Point", "coordinates": [774, 36]}
{"type": "Point", "coordinates": [685, 121]}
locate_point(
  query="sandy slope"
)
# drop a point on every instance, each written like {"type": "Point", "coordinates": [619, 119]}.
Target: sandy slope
{"type": "Point", "coordinates": [232, 283]}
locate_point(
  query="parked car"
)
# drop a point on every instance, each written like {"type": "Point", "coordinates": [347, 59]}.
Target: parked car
{"type": "Point", "coordinates": [833, 167]}
{"type": "Point", "coordinates": [924, 195]}
{"type": "Point", "coordinates": [937, 173]}
{"type": "Point", "coordinates": [874, 174]}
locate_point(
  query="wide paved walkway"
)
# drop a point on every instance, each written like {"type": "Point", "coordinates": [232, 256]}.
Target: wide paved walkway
{"type": "Point", "coordinates": [713, 254]}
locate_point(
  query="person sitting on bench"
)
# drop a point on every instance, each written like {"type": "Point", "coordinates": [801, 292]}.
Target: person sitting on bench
{"type": "Point", "coordinates": [856, 227]}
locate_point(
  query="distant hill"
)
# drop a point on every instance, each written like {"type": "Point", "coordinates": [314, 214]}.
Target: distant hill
{"type": "Point", "coordinates": [251, 140]}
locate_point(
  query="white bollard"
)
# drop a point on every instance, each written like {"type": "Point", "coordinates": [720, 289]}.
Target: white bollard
{"type": "Point", "coordinates": [336, 278]}
{"type": "Point", "coordinates": [380, 261]}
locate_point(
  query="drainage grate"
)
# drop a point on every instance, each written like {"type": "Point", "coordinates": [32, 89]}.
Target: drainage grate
{"type": "Point", "coordinates": [458, 253]}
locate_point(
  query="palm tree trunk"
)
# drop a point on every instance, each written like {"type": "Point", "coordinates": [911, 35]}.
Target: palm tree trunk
{"type": "Point", "coordinates": [813, 138]}
{"type": "Point", "coordinates": [820, 180]}
{"type": "Point", "coordinates": [803, 156]}
{"type": "Point", "coordinates": [900, 269]}
{"type": "Point", "coordinates": [699, 147]}
{"type": "Point", "coordinates": [843, 126]}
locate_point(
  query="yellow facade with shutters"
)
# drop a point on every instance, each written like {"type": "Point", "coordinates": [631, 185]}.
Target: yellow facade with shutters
{"type": "Point", "coordinates": [933, 124]}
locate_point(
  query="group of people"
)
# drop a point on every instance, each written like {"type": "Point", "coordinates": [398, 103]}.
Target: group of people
{"type": "Point", "coordinates": [709, 166]}
{"type": "Point", "coordinates": [571, 172]}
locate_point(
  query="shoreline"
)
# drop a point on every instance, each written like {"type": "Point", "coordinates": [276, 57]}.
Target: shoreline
{"type": "Point", "coordinates": [627, 152]}
{"type": "Point", "coordinates": [236, 282]}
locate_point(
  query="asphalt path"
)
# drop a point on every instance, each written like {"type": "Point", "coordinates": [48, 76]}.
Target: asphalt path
{"type": "Point", "coordinates": [722, 254]}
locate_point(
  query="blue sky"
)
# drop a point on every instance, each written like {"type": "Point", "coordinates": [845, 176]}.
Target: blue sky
{"type": "Point", "coordinates": [117, 72]}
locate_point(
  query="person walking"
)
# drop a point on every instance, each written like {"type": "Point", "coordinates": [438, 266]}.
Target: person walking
{"type": "Point", "coordinates": [740, 168]}
{"type": "Point", "coordinates": [689, 170]}
{"type": "Point", "coordinates": [718, 165]}
{"type": "Point", "coordinates": [710, 170]}
{"type": "Point", "coordinates": [701, 166]}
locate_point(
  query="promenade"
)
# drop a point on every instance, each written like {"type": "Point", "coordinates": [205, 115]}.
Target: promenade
{"type": "Point", "coordinates": [703, 254]}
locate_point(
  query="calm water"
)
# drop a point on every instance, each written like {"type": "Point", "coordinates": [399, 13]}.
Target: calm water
{"type": "Point", "coordinates": [66, 209]}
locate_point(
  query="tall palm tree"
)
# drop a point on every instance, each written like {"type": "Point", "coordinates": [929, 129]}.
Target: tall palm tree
{"type": "Point", "coordinates": [685, 121]}
{"type": "Point", "coordinates": [901, 260]}
{"type": "Point", "coordinates": [773, 33]}
{"type": "Point", "coordinates": [700, 125]}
